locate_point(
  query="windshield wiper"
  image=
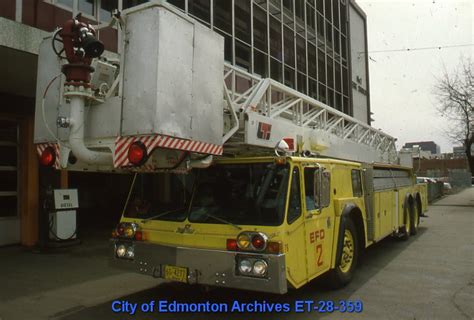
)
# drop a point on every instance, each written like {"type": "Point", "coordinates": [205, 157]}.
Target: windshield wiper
{"type": "Point", "coordinates": [223, 220]}
{"type": "Point", "coordinates": [160, 215]}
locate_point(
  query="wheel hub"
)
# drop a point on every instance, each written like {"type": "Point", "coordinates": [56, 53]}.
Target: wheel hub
{"type": "Point", "coordinates": [347, 252]}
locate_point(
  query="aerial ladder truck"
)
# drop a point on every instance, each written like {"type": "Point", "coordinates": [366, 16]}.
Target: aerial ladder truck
{"type": "Point", "coordinates": [261, 188]}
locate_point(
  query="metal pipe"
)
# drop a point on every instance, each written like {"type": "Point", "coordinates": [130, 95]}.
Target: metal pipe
{"type": "Point", "coordinates": [76, 136]}
{"type": "Point", "coordinates": [202, 163]}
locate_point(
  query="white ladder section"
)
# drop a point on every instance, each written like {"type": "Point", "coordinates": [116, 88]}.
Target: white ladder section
{"type": "Point", "coordinates": [268, 111]}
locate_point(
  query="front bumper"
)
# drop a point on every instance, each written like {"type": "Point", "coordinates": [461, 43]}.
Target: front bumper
{"type": "Point", "coordinates": [206, 267]}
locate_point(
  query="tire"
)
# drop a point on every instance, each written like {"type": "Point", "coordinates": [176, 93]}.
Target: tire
{"type": "Point", "coordinates": [415, 218]}
{"type": "Point", "coordinates": [405, 230]}
{"type": "Point", "coordinates": [347, 260]}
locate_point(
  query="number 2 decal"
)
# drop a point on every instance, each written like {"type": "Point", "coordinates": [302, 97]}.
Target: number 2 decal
{"type": "Point", "coordinates": [319, 254]}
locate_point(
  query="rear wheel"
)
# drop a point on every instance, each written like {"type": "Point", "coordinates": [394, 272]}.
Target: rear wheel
{"type": "Point", "coordinates": [415, 221]}
{"type": "Point", "coordinates": [343, 273]}
{"type": "Point", "coordinates": [405, 230]}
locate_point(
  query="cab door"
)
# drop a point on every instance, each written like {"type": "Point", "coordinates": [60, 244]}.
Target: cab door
{"type": "Point", "coordinates": [318, 218]}
{"type": "Point", "coordinates": [295, 232]}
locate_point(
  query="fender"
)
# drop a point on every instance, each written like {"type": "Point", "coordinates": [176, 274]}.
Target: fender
{"type": "Point", "coordinates": [340, 237]}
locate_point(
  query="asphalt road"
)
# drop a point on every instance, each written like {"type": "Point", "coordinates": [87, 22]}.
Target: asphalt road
{"type": "Point", "coordinates": [431, 276]}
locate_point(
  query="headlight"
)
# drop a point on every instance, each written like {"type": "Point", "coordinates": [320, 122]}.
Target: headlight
{"type": "Point", "coordinates": [130, 253]}
{"type": "Point", "coordinates": [245, 266]}
{"type": "Point", "coordinates": [121, 251]}
{"type": "Point", "coordinates": [260, 267]}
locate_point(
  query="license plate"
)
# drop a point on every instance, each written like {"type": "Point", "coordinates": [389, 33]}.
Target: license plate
{"type": "Point", "coordinates": [176, 273]}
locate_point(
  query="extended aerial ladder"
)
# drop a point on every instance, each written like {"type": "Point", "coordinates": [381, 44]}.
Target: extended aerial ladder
{"type": "Point", "coordinates": [169, 102]}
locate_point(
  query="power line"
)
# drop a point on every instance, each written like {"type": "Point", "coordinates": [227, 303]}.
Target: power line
{"type": "Point", "coordinates": [421, 48]}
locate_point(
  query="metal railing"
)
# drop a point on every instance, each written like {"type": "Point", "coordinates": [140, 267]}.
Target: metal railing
{"type": "Point", "coordinates": [274, 100]}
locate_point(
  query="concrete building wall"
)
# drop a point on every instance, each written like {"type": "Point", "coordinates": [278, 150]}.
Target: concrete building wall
{"type": "Point", "coordinates": [359, 64]}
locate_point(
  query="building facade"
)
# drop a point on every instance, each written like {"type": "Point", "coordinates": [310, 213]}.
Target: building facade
{"type": "Point", "coordinates": [317, 47]}
{"type": "Point", "coordinates": [430, 146]}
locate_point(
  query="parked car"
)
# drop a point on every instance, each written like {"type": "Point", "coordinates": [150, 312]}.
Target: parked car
{"type": "Point", "coordinates": [447, 186]}
{"type": "Point", "coordinates": [425, 180]}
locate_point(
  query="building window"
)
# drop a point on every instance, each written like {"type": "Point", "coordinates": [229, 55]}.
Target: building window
{"type": "Point", "coordinates": [86, 6]}
{"type": "Point", "coordinates": [181, 4]}
{"type": "Point", "coordinates": [106, 8]}
{"type": "Point", "coordinates": [66, 3]}
{"type": "Point", "coordinates": [131, 3]}
{"type": "Point", "coordinates": [201, 9]}
{"type": "Point", "coordinates": [242, 20]}
{"type": "Point", "coordinates": [223, 16]}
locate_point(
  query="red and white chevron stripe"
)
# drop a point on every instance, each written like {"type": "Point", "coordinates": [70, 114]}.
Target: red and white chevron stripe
{"type": "Point", "coordinates": [122, 144]}
{"type": "Point", "coordinates": [41, 146]}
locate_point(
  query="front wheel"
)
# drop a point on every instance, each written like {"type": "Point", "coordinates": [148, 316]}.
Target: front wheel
{"type": "Point", "coordinates": [343, 272]}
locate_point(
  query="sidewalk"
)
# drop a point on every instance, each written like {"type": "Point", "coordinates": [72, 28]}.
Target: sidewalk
{"type": "Point", "coordinates": [47, 286]}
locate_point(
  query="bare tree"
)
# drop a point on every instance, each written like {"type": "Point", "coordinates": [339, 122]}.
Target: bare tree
{"type": "Point", "coordinates": [455, 94]}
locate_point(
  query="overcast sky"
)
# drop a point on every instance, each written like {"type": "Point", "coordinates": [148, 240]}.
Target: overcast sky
{"type": "Point", "coordinates": [401, 83]}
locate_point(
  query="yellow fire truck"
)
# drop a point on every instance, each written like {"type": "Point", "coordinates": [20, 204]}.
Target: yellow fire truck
{"type": "Point", "coordinates": [210, 202]}
{"type": "Point", "coordinates": [266, 223]}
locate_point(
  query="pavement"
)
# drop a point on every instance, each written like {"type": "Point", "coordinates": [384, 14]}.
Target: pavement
{"type": "Point", "coordinates": [430, 276]}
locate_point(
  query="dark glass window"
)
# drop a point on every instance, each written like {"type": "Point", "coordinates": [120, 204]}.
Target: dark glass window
{"type": "Point", "coordinates": [316, 186]}
{"type": "Point", "coordinates": [299, 9]}
{"type": "Point", "coordinates": [290, 77]}
{"type": "Point", "coordinates": [259, 29]}
{"type": "Point", "coordinates": [223, 15]}
{"type": "Point", "coordinates": [178, 3]}
{"type": "Point", "coordinates": [310, 19]}
{"type": "Point", "coordinates": [242, 20]}
{"type": "Point", "coordinates": [200, 9]}
{"type": "Point", "coordinates": [106, 8]}
{"type": "Point", "coordinates": [301, 83]}
{"type": "Point", "coordinates": [289, 46]}
{"type": "Point", "coordinates": [356, 183]}
{"type": "Point", "coordinates": [242, 55]}
{"type": "Point", "coordinates": [86, 6]}
{"type": "Point", "coordinates": [301, 53]}
{"type": "Point", "coordinates": [8, 168]}
{"type": "Point", "coordinates": [327, 9]}
{"type": "Point", "coordinates": [131, 3]}
{"type": "Point", "coordinates": [312, 61]}
{"type": "Point", "coordinates": [275, 38]}
{"type": "Point", "coordinates": [276, 70]}
{"type": "Point", "coordinates": [260, 63]}
{"type": "Point", "coordinates": [67, 3]}
{"type": "Point", "coordinates": [294, 204]}
{"type": "Point", "coordinates": [321, 67]}
{"type": "Point", "coordinates": [313, 88]}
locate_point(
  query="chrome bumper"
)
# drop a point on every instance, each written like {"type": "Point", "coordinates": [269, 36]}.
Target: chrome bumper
{"type": "Point", "coordinates": [206, 267]}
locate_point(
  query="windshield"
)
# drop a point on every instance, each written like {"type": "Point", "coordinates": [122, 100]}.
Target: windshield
{"type": "Point", "coordinates": [251, 194]}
